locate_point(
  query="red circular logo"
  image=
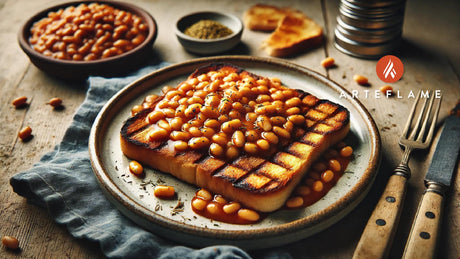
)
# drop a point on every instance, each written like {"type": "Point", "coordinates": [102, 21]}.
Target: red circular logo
{"type": "Point", "coordinates": [389, 69]}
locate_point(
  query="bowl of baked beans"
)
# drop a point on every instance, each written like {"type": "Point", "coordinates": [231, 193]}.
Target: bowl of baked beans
{"type": "Point", "coordinates": [83, 38]}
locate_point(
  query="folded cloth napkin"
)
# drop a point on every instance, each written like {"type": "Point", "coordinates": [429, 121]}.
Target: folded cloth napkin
{"type": "Point", "coordinates": [63, 182]}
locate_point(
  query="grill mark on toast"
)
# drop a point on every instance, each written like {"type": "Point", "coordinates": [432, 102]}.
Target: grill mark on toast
{"type": "Point", "coordinates": [231, 173]}
{"type": "Point", "coordinates": [127, 129]}
{"type": "Point", "coordinates": [253, 182]}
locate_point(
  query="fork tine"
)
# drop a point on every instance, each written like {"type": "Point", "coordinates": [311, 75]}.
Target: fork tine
{"type": "Point", "coordinates": [411, 115]}
{"type": "Point", "coordinates": [419, 120]}
{"type": "Point", "coordinates": [421, 134]}
{"type": "Point", "coordinates": [433, 123]}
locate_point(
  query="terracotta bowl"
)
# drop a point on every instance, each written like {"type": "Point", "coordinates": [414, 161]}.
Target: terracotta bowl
{"type": "Point", "coordinates": [69, 69]}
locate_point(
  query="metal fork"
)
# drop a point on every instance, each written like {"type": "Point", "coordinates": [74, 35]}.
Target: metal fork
{"type": "Point", "coordinates": [378, 234]}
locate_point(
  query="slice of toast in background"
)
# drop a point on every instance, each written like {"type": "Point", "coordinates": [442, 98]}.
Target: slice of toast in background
{"type": "Point", "coordinates": [294, 32]}
{"type": "Point", "coordinates": [263, 17]}
{"type": "Point", "coordinates": [293, 35]}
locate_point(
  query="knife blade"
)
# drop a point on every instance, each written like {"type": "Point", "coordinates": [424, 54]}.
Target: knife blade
{"type": "Point", "coordinates": [445, 155]}
{"type": "Point", "coordinates": [422, 238]}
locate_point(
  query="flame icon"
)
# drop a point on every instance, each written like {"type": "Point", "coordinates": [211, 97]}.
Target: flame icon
{"type": "Point", "coordinates": [389, 70]}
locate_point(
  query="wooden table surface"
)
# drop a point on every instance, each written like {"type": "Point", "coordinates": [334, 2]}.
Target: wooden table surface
{"type": "Point", "coordinates": [430, 53]}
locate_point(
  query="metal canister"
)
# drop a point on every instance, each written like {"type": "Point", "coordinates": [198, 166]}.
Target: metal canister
{"type": "Point", "coordinates": [369, 28]}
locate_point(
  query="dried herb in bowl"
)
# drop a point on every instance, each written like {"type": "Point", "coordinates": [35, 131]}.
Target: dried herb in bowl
{"type": "Point", "coordinates": [208, 29]}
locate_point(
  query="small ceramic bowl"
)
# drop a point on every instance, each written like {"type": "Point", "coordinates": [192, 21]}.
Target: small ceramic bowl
{"type": "Point", "coordinates": [209, 46]}
{"type": "Point", "coordinates": [69, 69]}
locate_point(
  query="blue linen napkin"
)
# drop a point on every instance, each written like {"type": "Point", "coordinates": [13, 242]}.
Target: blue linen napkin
{"type": "Point", "coordinates": [63, 182]}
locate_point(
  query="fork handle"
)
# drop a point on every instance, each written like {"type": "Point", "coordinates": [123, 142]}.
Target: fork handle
{"type": "Point", "coordinates": [422, 238]}
{"type": "Point", "coordinates": [378, 234]}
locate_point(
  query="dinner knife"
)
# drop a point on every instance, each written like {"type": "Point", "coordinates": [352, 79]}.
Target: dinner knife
{"type": "Point", "coordinates": [422, 238]}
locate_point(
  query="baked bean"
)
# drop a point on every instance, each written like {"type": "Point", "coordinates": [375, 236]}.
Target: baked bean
{"type": "Point", "coordinates": [270, 137]}
{"type": "Point", "coordinates": [327, 62]}
{"type": "Point", "coordinates": [294, 202]}
{"type": "Point", "coordinates": [135, 168]}
{"type": "Point", "coordinates": [327, 176]}
{"type": "Point", "coordinates": [238, 138]}
{"type": "Point", "coordinates": [250, 148]}
{"type": "Point", "coordinates": [212, 123]}
{"type": "Point", "coordinates": [176, 123]}
{"type": "Point", "coordinates": [278, 120]}
{"type": "Point", "coordinates": [195, 131]}
{"type": "Point", "coordinates": [387, 90]}
{"type": "Point", "coordinates": [297, 119]}
{"type": "Point", "coordinates": [180, 145]}
{"type": "Point", "coordinates": [136, 109]}
{"type": "Point", "coordinates": [198, 142]}
{"type": "Point", "coordinates": [361, 80]}
{"type": "Point", "coordinates": [164, 191]}
{"type": "Point", "coordinates": [164, 124]}
{"type": "Point", "coordinates": [232, 152]}
{"type": "Point", "coordinates": [10, 242]}
{"type": "Point", "coordinates": [219, 199]}
{"type": "Point", "coordinates": [263, 144]}
{"type": "Point", "coordinates": [264, 123]}
{"type": "Point", "coordinates": [216, 150]}
{"type": "Point", "coordinates": [212, 100]}
{"type": "Point", "coordinates": [212, 208]}
{"type": "Point", "coordinates": [292, 111]}
{"type": "Point", "coordinates": [209, 112]}
{"type": "Point", "coordinates": [346, 151]}
{"type": "Point", "coordinates": [293, 102]}
{"type": "Point", "coordinates": [283, 133]}
{"type": "Point", "coordinates": [289, 126]}
{"type": "Point", "coordinates": [231, 208]}
{"type": "Point", "coordinates": [230, 126]}
{"type": "Point", "coordinates": [199, 204]}
{"type": "Point", "coordinates": [25, 133]}
{"type": "Point", "coordinates": [19, 102]}
{"type": "Point", "coordinates": [248, 214]}
{"type": "Point", "coordinates": [318, 186]}
{"type": "Point", "coordinates": [220, 139]}
{"type": "Point", "coordinates": [204, 194]}
{"type": "Point", "coordinates": [55, 102]}
{"type": "Point", "coordinates": [92, 29]}
{"type": "Point", "coordinates": [334, 165]}
{"type": "Point", "coordinates": [158, 134]}
{"type": "Point", "coordinates": [180, 135]}
{"type": "Point", "coordinates": [251, 116]}
{"type": "Point", "coordinates": [192, 110]}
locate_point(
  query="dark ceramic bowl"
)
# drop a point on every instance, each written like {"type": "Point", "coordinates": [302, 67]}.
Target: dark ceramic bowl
{"type": "Point", "coordinates": [209, 46]}
{"type": "Point", "coordinates": [69, 69]}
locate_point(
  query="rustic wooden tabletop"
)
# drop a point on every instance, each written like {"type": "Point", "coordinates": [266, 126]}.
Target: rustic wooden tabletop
{"type": "Point", "coordinates": [430, 53]}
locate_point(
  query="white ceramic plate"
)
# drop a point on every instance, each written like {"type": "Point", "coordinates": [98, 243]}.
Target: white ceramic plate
{"type": "Point", "coordinates": [134, 197]}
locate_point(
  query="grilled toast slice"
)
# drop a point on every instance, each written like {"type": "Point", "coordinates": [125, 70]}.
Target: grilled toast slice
{"type": "Point", "coordinates": [261, 180]}
{"type": "Point", "coordinates": [293, 35]}
{"type": "Point", "coordinates": [263, 17]}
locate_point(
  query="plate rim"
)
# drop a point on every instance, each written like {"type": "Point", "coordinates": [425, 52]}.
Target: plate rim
{"type": "Point", "coordinates": [357, 192]}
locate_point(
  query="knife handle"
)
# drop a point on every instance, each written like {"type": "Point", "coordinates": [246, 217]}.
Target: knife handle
{"type": "Point", "coordinates": [378, 234]}
{"type": "Point", "coordinates": [423, 235]}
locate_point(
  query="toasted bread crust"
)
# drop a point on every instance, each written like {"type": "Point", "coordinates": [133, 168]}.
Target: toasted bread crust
{"type": "Point", "coordinates": [259, 182]}
{"type": "Point", "coordinates": [294, 32]}
{"type": "Point", "coordinates": [293, 35]}
{"type": "Point", "coordinates": [263, 17]}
